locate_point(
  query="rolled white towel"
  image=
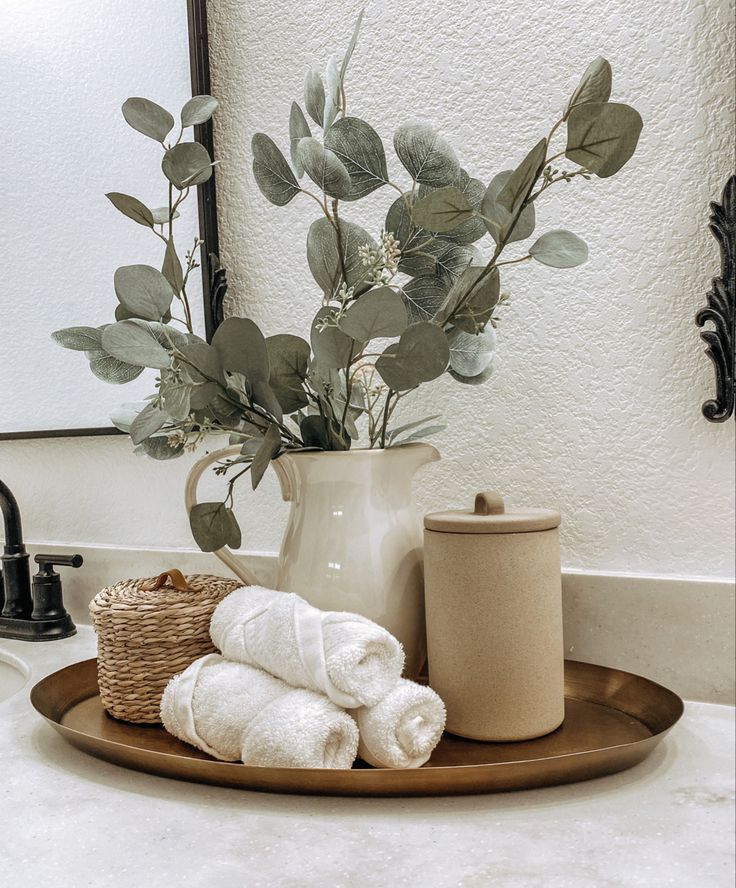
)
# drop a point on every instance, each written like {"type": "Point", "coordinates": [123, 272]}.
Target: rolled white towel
{"type": "Point", "coordinates": [349, 658]}
{"type": "Point", "coordinates": [402, 730]}
{"type": "Point", "coordinates": [236, 712]}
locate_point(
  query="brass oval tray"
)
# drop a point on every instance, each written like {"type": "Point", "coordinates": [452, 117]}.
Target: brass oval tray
{"type": "Point", "coordinates": [613, 720]}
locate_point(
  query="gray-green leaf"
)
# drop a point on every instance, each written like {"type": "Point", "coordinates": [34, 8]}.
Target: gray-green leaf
{"type": "Point", "coordinates": [421, 355]}
{"type": "Point", "coordinates": [560, 249]}
{"type": "Point", "coordinates": [360, 149]}
{"type": "Point", "coordinates": [78, 338]}
{"type": "Point", "coordinates": [323, 256]}
{"type": "Point", "coordinates": [324, 168]}
{"type": "Point", "coordinates": [272, 173]}
{"type": "Point", "coordinates": [187, 164]}
{"type": "Point", "coordinates": [159, 447]}
{"type": "Point", "coordinates": [470, 355]}
{"type": "Point", "coordinates": [442, 210]}
{"type": "Point", "coordinates": [214, 526]}
{"type": "Point", "coordinates": [143, 291]}
{"type": "Point", "coordinates": [171, 268]}
{"type": "Point", "coordinates": [289, 360]}
{"type": "Point", "coordinates": [481, 297]}
{"type": "Point", "coordinates": [131, 207]}
{"type": "Point", "coordinates": [241, 348]}
{"type": "Point", "coordinates": [473, 228]}
{"type": "Point", "coordinates": [198, 110]}
{"type": "Point", "coordinates": [177, 400]}
{"type": "Point", "coordinates": [602, 137]}
{"type": "Point", "coordinates": [298, 129]}
{"type": "Point", "coordinates": [330, 345]}
{"type": "Point", "coordinates": [110, 369]}
{"type": "Point", "coordinates": [135, 342]}
{"type": "Point", "coordinates": [519, 184]}
{"type": "Point", "coordinates": [426, 155]}
{"type": "Point", "coordinates": [148, 118]}
{"type": "Point", "coordinates": [378, 313]}
{"type": "Point", "coordinates": [332, 94]}
{"type": "Point", "coordinates": [148, 421]}
{"type": "Point", "coordinates": [595, 85]}
{"type": "Point", "coordinates": [499, 220]}
{"type": "Point", "coordinates": [161, 215]}
{"type": "Point", "coordinates": [269, 449]}
{"type": "Point", "coordinates": [351, 46]}
{"type": "Point", "coordinates": [424, 296]}
{"type": "Point", "coordinates": [314, 96]}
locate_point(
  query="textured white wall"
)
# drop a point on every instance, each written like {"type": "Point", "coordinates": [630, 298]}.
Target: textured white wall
{"type": "Point", "coordinates": [595, 405]}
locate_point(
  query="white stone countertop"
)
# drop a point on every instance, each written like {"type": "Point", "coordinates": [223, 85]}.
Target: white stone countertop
{"type": "Point", "coordinates": [67, 819]}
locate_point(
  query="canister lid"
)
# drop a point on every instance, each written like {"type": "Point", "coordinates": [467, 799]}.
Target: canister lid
{"type": "Point", "coordinates": [489, 515]}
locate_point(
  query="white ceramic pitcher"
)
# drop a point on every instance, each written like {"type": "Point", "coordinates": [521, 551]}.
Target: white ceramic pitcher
{"type": "Point", "coordinates": [353, 541]}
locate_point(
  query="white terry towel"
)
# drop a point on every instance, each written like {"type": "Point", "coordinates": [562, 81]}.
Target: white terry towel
{"type": "Point", "coordinates": [236, 712]}
{"type": "Point", "coordinates": [349, 658]}
{"type": "Point", "coordinates": [402, 730]}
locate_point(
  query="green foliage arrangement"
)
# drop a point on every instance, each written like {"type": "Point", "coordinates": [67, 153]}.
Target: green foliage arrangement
{"type": "Point", "coordinates": [395, 312]}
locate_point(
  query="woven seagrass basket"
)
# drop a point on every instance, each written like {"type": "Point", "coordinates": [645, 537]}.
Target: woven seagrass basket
{"type": "Point", "coordinates": [148, 630]}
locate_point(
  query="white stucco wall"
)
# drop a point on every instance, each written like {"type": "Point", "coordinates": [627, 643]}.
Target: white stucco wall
{"type": "Point", "coordinates": [595, 405]}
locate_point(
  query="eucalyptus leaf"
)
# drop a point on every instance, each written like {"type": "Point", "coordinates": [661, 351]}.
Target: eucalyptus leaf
{"type": "Point", "coordinates": [171, 268]}
{"type": "Point", "coordinates": [143, 291]}
{"type": "Point", "coordinates": [473, 228]}
{"type": "Point", "coordinates": [202, 361]}
{"type": "Point", "coordinates": [198, 110]}
{"type": "Point", "coordinates": [110, 369]}
{"type": "Point", "coordinates": [268, 450]}
{"type": "Point", "coordinates": [131, 207]}
{"type": "Point", "coordinates": [298, 129]}
{"type": "Point", "coordinates": [499, 221]}
{"type": "Point", "coordinates": [473, 380]}
{"type": "Point", "coordinates": [187, 164]}
{"type": "Point", "coordinates": [177, 400]}
{"type": "Point", "coordinates": [122, 416]}
{"type": "Point", "coordinates": [317, 431]}
{"type": "Point", "coordinates": [159, 447]}
{"type": "Point", "coordinates": [360, 149]}
{"type": "Point", "coordinates": [332, 93]}
{"type": "Point", "coordinates": [442, 210]}
{"type": "Point", "coordinates": [148, 118]}
{"type": "Point", "coordinates": [424, 296]}
{"type": "Point", "coordinates": [214, 526]}
{"type": "Point", "coordinates": [272, 173]}
{"type": "Point", "coordinates": [241, 348]}
{"type": "Point", "coordinates": [323, 256]}
{"type": "Point", "coordinates": [452, 261]}
{"type": "Point", "coordinates": [289, 362]}
{"type": "Point", "coordinates": [470, 355]}
{"type": "Point", "coordinates": [560, 249]}
{"type": "Point", "coordinates": [149, 420]}
{"type": "Point", "coordinates": [379, 313]}
{"type": "Point", "coordinates": [161, 215]}
{"type": "Point", "coordinates": [314, 96]}
{"type": "Point", "coordinates": [411, 238]}
{"type": "Point", "coordinates": [595, 85]}
{"type": "Point", "coordinates": [351, 46]}
{"type": "Point", "coordinates": [409, 426]}
{"type": "Point", "coordinates": [426, 155]}
{"type": "Point", "coordinates": [602, 137]}
{"type": "Point", "coordinates": [421, 355]}
{"type": "Point", "coordinates": [78, 338]}
{"type": "Point", "coordinates": [481, 303]}
{"type": "Point", "coordinates": [330, 345]}
{"type": "Point", "coordinates": [324, 168]}
{"type": "Point", "coordinates": [134, 342]}
{"type": "Point", "coordinates": [519, 184]}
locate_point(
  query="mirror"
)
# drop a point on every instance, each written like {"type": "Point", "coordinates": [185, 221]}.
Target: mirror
{"type": "Point", "coordinates": [66, 70]}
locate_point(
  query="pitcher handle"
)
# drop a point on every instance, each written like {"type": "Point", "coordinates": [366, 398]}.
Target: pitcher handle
{"type": "Point", "coordinates": [190, 500]}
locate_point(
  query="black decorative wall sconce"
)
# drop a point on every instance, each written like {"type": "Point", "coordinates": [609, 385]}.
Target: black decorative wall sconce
{"type": "Point", "coordinates": [721, 308]}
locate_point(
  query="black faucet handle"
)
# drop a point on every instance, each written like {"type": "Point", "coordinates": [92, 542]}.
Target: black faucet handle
{"type": "Point", "coordinates": [47, 600]}
{"type": "Point", "coordinates": [46, 563]}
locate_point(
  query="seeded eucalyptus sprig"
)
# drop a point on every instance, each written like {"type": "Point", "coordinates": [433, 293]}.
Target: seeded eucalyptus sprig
{"type": "Point", "coordinates": [399, 310]}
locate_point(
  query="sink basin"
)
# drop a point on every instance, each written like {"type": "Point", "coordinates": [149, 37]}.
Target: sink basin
{"type": "Point", "coordinates": [13, 675]}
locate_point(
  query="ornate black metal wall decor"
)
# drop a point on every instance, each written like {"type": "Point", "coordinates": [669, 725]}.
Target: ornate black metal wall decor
{"type": "Point", "coordinates": [721, 308]}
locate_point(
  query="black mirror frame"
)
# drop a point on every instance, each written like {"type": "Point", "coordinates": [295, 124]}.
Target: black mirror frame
{"type": "Point", "coordinates": [214, 284]}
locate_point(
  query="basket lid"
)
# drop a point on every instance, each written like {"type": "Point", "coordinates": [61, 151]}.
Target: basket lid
{"type": "Point", "coordinates": [490, 515]}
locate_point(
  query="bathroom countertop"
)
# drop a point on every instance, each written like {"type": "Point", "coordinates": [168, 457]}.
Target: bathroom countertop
{"type": "Point", "coordinates": [67, 819]}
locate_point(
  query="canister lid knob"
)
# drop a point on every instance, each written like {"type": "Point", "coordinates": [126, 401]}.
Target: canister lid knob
{"type": "Point", "coordinates": [489, 502]}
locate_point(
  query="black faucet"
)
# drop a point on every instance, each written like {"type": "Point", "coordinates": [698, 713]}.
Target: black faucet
{"type": "Point", "coordinates": [37, 614]}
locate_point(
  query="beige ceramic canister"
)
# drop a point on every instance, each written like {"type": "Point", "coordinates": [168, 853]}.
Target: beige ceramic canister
{"type": "Point", "coordinates": [494, 619]}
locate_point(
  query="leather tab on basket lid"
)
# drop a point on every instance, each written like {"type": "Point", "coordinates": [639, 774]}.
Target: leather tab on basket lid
{"type": "Point", "coordinates": [175, 577]}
